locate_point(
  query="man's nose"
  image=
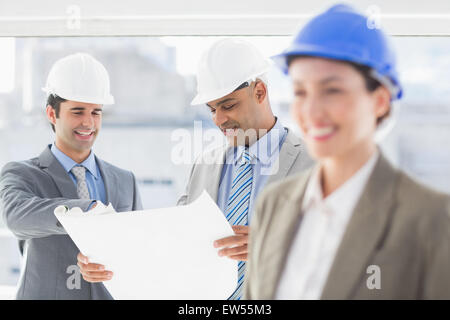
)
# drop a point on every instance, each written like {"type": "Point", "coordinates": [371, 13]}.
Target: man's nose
{"type": "Point", "coordinates": [220, 117]}
{"type": "Point", "coordinates": [88, 121]}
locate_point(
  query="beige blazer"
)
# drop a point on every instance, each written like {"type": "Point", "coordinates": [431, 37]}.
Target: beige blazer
{"type": "Point", "coordinates": [206, 171]}
{"type": "Point", "coordinates": [398, 225]}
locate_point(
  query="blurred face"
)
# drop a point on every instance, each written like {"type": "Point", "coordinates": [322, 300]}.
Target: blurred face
{"type": "Point", "coordinates": [239, 114]}
{"type": "Point", "coordinates": [332, 106]}
{"type": "Point", "coordinates": [77, 126]}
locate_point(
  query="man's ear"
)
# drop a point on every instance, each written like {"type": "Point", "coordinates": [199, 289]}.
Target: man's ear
{"type": "Point", "coordinates": [51, 114]}
{"type": "Point", "coordinates": [260, 91]}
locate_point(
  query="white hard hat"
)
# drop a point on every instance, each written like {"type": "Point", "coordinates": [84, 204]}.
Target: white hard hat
{"type": "Point", "coordinates": [225, 66]}
{"type": "Point", "coordinates": [79, 77]}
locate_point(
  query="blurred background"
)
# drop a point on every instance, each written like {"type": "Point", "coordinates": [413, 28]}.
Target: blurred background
{"type": "Point", "coordinates": [152, 75]}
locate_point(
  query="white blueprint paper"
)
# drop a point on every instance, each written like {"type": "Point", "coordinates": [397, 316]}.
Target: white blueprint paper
{"type": "Point", "coordinates": [157, 254]}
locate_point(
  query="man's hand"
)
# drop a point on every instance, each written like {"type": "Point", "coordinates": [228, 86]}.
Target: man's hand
{"type": "Point", "coordinates": [92, 272]}
{"type": "Point", "coordinates": [235, 246]}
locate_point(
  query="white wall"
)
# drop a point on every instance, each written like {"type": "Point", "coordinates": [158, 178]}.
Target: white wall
{"type": "Point", "coordinates": [203, 17]}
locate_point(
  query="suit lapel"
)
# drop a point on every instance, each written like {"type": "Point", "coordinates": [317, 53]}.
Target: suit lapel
{"type": "Point", "coordinates": [110, 181]}
{"type": "Point", "coordinates": [278, 243]}
{"type": "Point", "coordinates": [51, 165]}
{"type": "Point", "coordinates": [215, 171]}
{"type": "Point", "coordinates": [288, 153]}
{"type": "Point", "coordinates": [363, 233]}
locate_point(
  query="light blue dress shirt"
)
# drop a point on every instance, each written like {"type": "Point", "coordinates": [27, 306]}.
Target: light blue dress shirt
{"type": "Point", "coordinates": [264, 154]}
{"type": "Point", "coordinates": [94, 178]}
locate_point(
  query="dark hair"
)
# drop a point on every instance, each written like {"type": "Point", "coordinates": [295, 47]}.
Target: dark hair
{"type": "Point", "coordinates": [54, 101]}
{"type": "Point", "coordinates": [371, 83]}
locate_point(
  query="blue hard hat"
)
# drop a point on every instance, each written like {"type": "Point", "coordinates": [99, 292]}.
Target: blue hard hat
{"type": "Point", "coordinates": [342, 33]}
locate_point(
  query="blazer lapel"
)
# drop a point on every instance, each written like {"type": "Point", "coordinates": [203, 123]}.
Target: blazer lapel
{"type": "Point", "coordinates": [51, 165]}
{"type": "Point", "coordinates": [212, 184]}
{"type": "Point", "coordinates": [110, 181]}
{"type": "Point", "coordinates": [288, 153]}
{"type": "Point", "coordinates": [363, 233]}
{"type": "Point", "coordinates": [278, 244]}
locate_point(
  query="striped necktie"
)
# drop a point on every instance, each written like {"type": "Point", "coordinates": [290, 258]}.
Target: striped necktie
{"type": "Point", "coordinates": [237, 207]}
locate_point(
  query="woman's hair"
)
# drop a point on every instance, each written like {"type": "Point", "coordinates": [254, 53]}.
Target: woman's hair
{"type": "Point", "coordinates": [371, 83]}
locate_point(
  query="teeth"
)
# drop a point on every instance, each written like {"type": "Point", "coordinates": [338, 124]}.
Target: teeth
{"type": "Point", "coordinates": [320, 132]}
{"type": "Point", "coordinates": [83, 133]}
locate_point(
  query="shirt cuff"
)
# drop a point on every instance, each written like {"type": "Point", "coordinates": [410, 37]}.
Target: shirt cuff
{"type": "Point", "coordinates": [92, 203]}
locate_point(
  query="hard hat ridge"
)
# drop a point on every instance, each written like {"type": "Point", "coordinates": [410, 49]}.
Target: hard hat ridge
{"type": "Point", "coordinates": [342, 33]}
{"type": "Point", "coordinates": [226, 65]}
{"type": "Point", "coordinates": [79, 77]}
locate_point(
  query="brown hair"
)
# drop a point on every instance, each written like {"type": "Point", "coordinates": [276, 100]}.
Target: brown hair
{"type": "Point", "coordinates": [54, 101]}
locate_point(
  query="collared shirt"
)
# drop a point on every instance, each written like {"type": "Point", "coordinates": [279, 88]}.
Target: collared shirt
{"type": "Point", "coordinates": [264, 155]}
{"type": "Point", "coordinates": [94, 178]}
{"type": "Point", "coordinates": [320, 232]}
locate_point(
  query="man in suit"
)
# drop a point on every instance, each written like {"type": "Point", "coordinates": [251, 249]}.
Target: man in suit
{"type": "Point", "coordinates": [232, 81]}
{"type": "Point", "coordinates": [66, 173]}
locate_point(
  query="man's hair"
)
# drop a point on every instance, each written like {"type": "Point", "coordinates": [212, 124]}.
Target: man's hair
{"type": "Point", "coordinates": [54, 101]}
{"type": "Point", "coordinates": [371, 83]}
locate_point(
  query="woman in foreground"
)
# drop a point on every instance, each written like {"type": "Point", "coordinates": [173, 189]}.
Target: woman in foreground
{"type": "Point", "coordinates": [353, 227]}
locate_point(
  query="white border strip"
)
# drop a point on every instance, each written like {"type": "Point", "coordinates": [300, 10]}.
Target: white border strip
{"type": "Point", "coordinates": [428, 24]}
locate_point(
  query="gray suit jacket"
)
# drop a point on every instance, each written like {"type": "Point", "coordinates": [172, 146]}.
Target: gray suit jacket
{"type": "Point", "coordinates": [206, 172]}
{"type": "Point", "coordinates": [398, 225]}
{"type": "Point", "coordinates": [29, 192]}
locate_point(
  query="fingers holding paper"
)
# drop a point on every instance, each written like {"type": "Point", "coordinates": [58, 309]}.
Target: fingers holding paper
{"type": "Point", "coordinates": [92, 272]}
{"type": "Point", "coordinates": [234, 247]}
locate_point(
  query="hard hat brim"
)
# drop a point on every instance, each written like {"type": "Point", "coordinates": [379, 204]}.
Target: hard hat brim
{"type": "Point", "coordinates": [211, 96]}
{"type": "Point", "coordinates": [108, 100]}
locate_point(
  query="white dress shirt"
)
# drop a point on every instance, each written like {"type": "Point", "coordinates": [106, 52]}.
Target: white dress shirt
{"type": "Point", "coordinates": [320, 232]}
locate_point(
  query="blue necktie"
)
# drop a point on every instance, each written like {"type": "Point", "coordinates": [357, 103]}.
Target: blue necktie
{"type": "Point", "coordinates": [237, 207]}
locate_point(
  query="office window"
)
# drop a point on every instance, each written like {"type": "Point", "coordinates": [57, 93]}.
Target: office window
{"type": "Point", "coordinates": [153, 82]}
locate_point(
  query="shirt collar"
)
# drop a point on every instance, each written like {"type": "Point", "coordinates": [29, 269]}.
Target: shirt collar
{"type": "Point", "coordinates": [343, 199]}
{"type": "Point", "coordinates": [68, 163]}
{"type": "Point", "coordinates": [264, 149]}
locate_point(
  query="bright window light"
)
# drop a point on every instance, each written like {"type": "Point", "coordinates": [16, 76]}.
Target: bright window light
{"type": "Point", "coordinates": [7, 64]}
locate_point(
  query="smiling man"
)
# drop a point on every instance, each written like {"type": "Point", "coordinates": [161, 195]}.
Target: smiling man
{"type": "Point", "coordinates": [66, 173]}
{"type": "Point", "coordinates": [232, 82]}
